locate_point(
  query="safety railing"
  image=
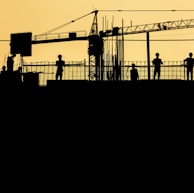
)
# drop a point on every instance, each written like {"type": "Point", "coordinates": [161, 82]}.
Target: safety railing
{"type": "Point", "coordinates": [170, 70]}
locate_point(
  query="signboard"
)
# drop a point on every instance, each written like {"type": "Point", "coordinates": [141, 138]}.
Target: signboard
{"type": "Point", "coordinates": [21, 44]}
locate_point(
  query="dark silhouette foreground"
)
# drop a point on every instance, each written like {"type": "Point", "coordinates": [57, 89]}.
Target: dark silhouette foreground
{"type": "Point", "coordinates": [81, 121]}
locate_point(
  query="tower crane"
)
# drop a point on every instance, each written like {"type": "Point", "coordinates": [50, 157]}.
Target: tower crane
{"type": "Point", "coordinates": [21, 42]}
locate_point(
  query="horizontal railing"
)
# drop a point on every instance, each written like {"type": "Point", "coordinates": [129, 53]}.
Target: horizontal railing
{"type": "Point", "coordinates": [74, 70]}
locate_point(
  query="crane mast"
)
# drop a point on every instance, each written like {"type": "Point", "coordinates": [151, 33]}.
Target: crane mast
{"type": "Point", "coordinates": [95, 51]}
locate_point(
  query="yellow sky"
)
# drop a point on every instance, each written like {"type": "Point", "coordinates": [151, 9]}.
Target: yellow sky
{"type": "Point", "coordinates": [39, 16]}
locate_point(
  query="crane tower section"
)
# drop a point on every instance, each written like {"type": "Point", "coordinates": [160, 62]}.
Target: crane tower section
{"type": "Point", "coordinates": [95, 50]}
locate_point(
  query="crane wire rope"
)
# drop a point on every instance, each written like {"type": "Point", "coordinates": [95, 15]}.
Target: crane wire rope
{"type": "Point", "coordinates": [56, 28]}
{"type": "Point", "coordinates": [146, 10]}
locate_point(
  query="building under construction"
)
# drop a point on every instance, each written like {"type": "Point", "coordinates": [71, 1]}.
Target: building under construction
{"type": "Point", "coordinates": [105, 52]}
{"type": "Point", "coordinates": [91, 116]}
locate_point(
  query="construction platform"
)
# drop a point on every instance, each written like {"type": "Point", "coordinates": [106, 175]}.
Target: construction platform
{"type": "Point", "coordinates": [83, 118]}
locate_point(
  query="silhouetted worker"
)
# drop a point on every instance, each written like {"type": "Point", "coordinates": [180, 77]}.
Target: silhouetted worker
{"type": "Point", "coordinates": [3, 73]}
{"type": "Point", "coordinates": [134, 73]}
{"type": "Point", "coordinates": [60, 65]}
{"type": "Point", "coordinates": [3, 70]}
{"type": "Point", "coordinates": [157, 64]}
{"type": "Point", "coordinates": [189, 62]}
{"type": "Point", "coordinates": [10, 63]}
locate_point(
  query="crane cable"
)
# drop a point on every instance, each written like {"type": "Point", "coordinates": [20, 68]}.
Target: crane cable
{"type": "Point", "coordinates": [56, 28]}
{"type": "Point", "coordinates": [146, 10]}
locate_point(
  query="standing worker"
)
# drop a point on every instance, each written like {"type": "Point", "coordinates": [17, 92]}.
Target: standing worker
{"type": "Point", "coordinates": [60, 65]}
{"type": "Point", "coordinates": [189, 62]}
{"type": "Point", "coordinates": [134, 73]}
{"type": "Point", "coordinates": [157, 64]}
{"type": "Point", "coordinates": [10, 63]}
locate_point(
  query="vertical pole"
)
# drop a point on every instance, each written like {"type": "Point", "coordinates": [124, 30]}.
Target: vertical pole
{"type": "Point", "coordinates": [89, 71]}
{"type": "Point", "coordinates": [148, 54]}
{"type": "Point", "coordinates": [122, 64]}
{"type": "Point", "coordinates": [84, 69]}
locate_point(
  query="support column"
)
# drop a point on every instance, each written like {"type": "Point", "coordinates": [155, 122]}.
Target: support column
{"type": "Point", "coordinates": [148, 54]}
